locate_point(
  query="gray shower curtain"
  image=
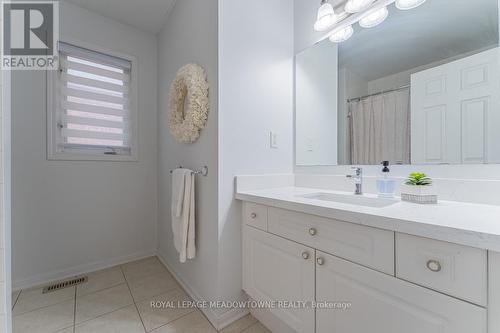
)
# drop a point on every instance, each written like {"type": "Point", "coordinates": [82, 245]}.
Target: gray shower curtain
{"type": "Point", "coordinates": [380, 128]}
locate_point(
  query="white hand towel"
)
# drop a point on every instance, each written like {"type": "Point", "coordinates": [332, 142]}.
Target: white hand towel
{"type": "Point", "coordinates": [183, 213]}
{"type": "Point", "coordinates": [178, 182]}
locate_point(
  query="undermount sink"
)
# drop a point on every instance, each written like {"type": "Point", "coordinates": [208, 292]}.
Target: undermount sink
{"type": "Point", "coordinates": [352, 199]}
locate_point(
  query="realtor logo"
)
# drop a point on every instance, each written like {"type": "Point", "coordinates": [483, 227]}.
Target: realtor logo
{"type": "Point", "coordinates": [30, 34]}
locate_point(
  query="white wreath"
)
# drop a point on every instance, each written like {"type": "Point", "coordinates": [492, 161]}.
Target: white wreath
{"type": "Point", "coordinates": [191, 83]}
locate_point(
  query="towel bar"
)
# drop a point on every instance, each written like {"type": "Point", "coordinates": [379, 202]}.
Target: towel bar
{"type": "Point", "coordinates": [203, 171]}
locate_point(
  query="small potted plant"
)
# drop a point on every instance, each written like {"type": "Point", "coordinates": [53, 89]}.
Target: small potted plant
{"type": "Point", "coordinates": [418, 188]}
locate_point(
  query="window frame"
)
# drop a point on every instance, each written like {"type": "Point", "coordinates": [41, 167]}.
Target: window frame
{"type": "Point", "coordinates": [53, 154]}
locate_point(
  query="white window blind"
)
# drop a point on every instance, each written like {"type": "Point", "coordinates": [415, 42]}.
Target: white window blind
{"type": "Point", "coordinates": [93, 115]}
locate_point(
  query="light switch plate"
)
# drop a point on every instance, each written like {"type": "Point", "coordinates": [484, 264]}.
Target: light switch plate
{"type": "Point", "coordinates": [310, 144]}
{"type": "Point", "coordinates": [273, 140]}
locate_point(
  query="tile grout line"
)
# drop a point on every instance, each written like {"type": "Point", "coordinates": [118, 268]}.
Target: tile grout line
{"type": "Point", "coordinates": [249, 327]}
{"type": "Point", "coordinates": [17, 298]}
{"type": "Point", "coordinates": [133, 299]}
{"type": "Point", "coordinates": [244, 328]}
{"type": "Point", "coordinates": [74, 313]}
{"type": "Point", "coordinates": [102, 315]}
{"type": "Point", "coordinates": [40, 308]}
{"type": "Point", "coordinates": [173, 321]}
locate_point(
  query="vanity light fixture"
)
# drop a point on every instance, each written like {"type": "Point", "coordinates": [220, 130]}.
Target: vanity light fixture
{"type": "Point", "coordinates": [342, 35]}
{"type": "Point", "coordinates": [368, 13]}
{"type": "Point", "coordinates": [326, 17]}
{"type": "Point", "coordinates": [408, 4]}
{"type": "Point", "coordinates": [374, 18]}
{"type": "Point", "coordinates": [356, 6]}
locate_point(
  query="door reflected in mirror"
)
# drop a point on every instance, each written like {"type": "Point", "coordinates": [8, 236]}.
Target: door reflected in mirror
{"type": "Point", "coordinates": [423, 87]}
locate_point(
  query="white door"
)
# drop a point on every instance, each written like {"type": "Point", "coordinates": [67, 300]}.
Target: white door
{"type": "Point", "coordinates": [383, 304]}
{"type": "Point", "coordinates": [456, 111]}
{"type": "Point", "coordinates": [275, 269]}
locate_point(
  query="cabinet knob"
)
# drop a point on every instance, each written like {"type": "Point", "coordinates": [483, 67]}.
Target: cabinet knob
{"type": "Point", "coordinates": [313, 231]}
{"type": "Point", "coordinates": [253, 215]}
{"type": "Point", "coordinates": [305, 255]}
{"type": "Point", "coordinates": [320, 261]}
{"type": "Point", "coordinates": [434, 265]}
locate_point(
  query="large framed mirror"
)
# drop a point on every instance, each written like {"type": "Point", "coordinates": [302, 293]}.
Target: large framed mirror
{"type": "Point", "coordinates": [423, 87]}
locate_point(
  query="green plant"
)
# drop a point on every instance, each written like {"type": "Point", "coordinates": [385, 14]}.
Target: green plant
{"type": "Point", "coordinates": [418, 179]}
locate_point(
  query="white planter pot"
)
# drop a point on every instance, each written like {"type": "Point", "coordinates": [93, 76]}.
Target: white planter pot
{"type": "Point", "coordinates": [419, 194]}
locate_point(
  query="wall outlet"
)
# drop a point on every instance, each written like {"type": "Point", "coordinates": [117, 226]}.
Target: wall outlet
{"type": "Point", "coordinates": [273, 140]}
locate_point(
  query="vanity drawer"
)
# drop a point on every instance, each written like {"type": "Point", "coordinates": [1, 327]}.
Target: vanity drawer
{"type": "Point", "coordinates": [255, 215]}
{"type": "Point", "coordinates": [366, 246]}
{"type": "Point", "coordinates": [456, 270]}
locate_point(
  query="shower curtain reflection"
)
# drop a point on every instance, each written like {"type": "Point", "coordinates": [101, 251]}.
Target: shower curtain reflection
{"type": "Point", "coordinates": [379, 127]}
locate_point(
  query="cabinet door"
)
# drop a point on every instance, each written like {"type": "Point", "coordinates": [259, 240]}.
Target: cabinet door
{"type": "Point", "coordinates": [380, 303]}
{"type": "Point", "coordinates": [276, 269]}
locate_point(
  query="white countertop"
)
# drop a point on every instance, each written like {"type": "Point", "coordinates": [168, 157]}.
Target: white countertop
{"type": "Point", "coordinates": [468, 224]}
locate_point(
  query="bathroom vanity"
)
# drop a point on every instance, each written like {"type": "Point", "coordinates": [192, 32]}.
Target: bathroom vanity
{"type": "Point", "coordinates": [401, 267]}
{"type": "Point", "coordinates": [420, 91]}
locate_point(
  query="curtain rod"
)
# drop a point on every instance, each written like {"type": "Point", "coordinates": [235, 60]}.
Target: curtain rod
{"type": "Point", "coordinates": [379, 93]}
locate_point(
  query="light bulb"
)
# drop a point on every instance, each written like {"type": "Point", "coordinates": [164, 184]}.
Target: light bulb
{"type": "Point", "coordinates": [326, 17]}
{"type": "Point", "coordinates": [342, 35]}
{"type": "Point", "coordinates": [374, 18]}
{"type": "Point", "coordinates": [356, 6]}
{"type": "Point", "coordinates": [408, 4]}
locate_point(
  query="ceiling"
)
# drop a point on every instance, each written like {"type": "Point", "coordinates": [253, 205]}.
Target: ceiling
{"type": "Point", "coordinates": [146, 15]}
{"type": "Point", "coordinates": [437, 30]}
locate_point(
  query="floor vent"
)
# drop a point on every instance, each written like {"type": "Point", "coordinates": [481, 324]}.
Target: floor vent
{"type": "Point", "coordinates": [65, 284]}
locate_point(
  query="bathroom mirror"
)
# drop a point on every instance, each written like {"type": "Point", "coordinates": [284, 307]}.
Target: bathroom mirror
{"type": "Point", "coordinates": [423, 87]}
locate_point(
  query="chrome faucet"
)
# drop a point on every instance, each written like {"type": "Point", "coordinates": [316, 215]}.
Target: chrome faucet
{"type": "Point", "coordinates": [358, 179]}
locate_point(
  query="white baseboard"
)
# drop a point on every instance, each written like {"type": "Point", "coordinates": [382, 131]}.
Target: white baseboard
{"type": "Point", "coordinates": [218, 321]}
{"type": "Point", "coordinates": [77, 270]}
{"type": "Point", "coordinates": [271, 322]}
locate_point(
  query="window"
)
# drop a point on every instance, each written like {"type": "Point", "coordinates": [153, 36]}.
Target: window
{"type": "Point", "coordinates": [91, 109]}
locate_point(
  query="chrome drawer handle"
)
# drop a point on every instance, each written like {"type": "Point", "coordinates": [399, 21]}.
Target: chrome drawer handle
{"type": "Point", "coordinates": [253, 216]}
{"type": "Point", "coordinates": [305, 255]}
{"type": "Point", "coordinates": [320, 261]}
{"type": "Point", "coordinates": [313, 231]}
{"type": "Point", "coordinates": [434, 265]}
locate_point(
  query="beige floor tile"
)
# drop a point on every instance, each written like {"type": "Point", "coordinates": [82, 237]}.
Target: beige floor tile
{"type": "Point", "coordinates": [257, 328]}
{"type": "Point", "coordinates": [194, 322]}
{"type": "Point", "coordinates": [152, 286]}
{"type": "Point", "coordinates": [125, 320]}
{"type": "Point", "coordinates": [240, 325]}
{"type": "Point", "coordinates": [164, 313]}
{"type": "Point", "coordinates": [143, 268]}
{"type": "Point", "coordinates": [46, 320]}
{"type": "Point", "coordinates": [15, 295]}
{"type": "Point", "coordinates": [100, 280]}
{"type": "Point", "coordinates": [33, 299]}
{"type": "Point", "coordinates": [102, 302]}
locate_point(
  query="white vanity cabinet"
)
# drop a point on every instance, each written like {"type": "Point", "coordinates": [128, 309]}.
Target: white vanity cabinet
{"type": "Point", "coordinates": [276, 269]}
{"type": "Point", "coordinates": [285, 263]}
{"type": "Point", "coordinates": [381, 303]}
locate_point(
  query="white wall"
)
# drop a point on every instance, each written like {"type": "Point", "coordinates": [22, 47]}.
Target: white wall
{"type": "Point", "coordinates": [305, 15]}
{"type": "Point", "coordinates": [5, 262]}
{"type": "Point", "coordinates": [249, 69]}
{"type": "Point", "coordinates": [317, 86]}
{"type": "Point", "coordinates": [190, 35]}
{"type": "Point", "coordinates": [255, 97]}
{"type": "Point", "coordinates": [350, 85]}
{"type": "Point", "coordinates": [69, 217]}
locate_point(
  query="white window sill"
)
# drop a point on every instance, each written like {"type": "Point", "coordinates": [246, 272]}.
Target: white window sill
{"type": "Point", "coordinates": [91, 157]}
